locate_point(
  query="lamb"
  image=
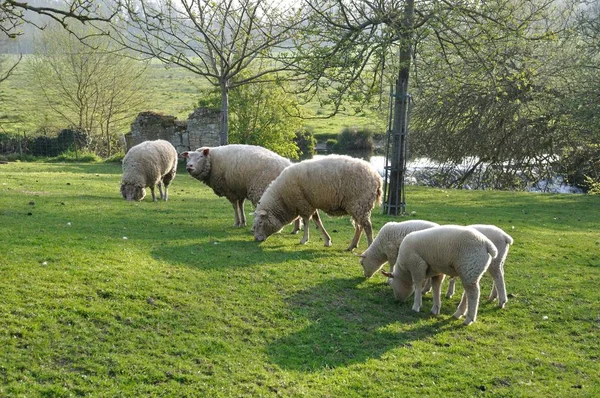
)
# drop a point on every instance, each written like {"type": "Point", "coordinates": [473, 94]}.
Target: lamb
{"type": "Point", "coordinates": [148, 164]}
{"type": "Point", "coordinates": [385, 246]}
{"type": "Point", "coordinates": [502, 241]}
{"type": "Point", "coordinates": [237, 172]}
{"type": "Point", "coordinates": [445, 250]}
{"type": "Point", "coordinates": [336, 184]}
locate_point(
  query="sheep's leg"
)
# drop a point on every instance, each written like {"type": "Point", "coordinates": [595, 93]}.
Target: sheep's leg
{"type": "Point", "coordinates": [498, 288]}
{"type": "Point", "coordinates": [317, 220]}
{"type": "Point", "coordinates": [368, 227]}
{"type": "Point", "coordinates": [436, 282]}
{"type": "Point", "coordinates": [240, 205]}
{"type": "Point", "coordinates": [236, 213]}
{"type": "Point", "coordinates": [306, 235]}
{"type": "Point", "coordinates": [451, 287]}
{"type": "Point", "coordinates": [167, 178]}
{"type": "Point", "coordinates": [472, 292]}
{"type": "Point", "coordinates": [462, 307]}
{"type": "Point", "coordinates": [418, 276]}
{"type": "Point", "coordinates": [426, 286]}
{"type": "Point", "coordinates": [159, 185]}
{"type": "Point", "coordinates": [357, 231]}
{"type": "Point", "coordinates": [296, 226]}
{"type": "Point", "coordinates": [153, 195]}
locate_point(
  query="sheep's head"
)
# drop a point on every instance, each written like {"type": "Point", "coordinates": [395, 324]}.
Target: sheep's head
{"type": "Point", "coordinates": [370, 262]}
{"type": "Point", "coordinates": [265, 225]}
{"type": "Point", "coordinates": [132, 192]}
{"type": "Point", "coordinates": [401, 284]}
{"type": "Point", "coordinates": [197, 162]}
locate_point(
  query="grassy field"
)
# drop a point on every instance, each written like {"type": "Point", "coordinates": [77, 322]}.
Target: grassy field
{"type": "Point", "coordinates": [102, 297]}
{"type": "Point", "coordinates": [172, 91]}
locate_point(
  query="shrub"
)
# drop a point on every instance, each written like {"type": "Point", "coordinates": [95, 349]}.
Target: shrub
{"type": "Point", "coordinates": [581, 167]}
{"type": "Point", "coordinates": [306, 142]}
{"type": "Point", "coordinates": [352, 139]}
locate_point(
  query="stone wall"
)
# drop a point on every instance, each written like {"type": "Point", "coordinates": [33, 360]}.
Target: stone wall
{"type": "Point", "coordinates": [201, 129]}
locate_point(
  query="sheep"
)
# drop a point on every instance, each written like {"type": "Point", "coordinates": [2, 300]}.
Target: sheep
{"type": "Point", "coordinates": [336, 184]}
{"type": "Point", "coordinates": [451, 250]}
{"type": "Point", "coordinates": [238, 172]}
{"type": "Point", "coordinates": [502, 241]}
{"type": "Point", "coordinates": [385, 246]}
{"type": "Point", "coordinates": [148, 164]}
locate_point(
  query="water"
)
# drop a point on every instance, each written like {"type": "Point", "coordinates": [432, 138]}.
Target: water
{"type": "Point", "coordinates": [418, 170]}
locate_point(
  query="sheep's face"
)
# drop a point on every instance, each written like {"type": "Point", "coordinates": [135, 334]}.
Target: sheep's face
{"type": "Point", "coordinates": [370, 264]}
{"type": "Point", "coordinates": [197, 163]}
{"type": "Point", "coordinates": [132, 192]}
{"type": "Point", "coordinates": [265, 225]}
{"type": "Point", "coordinates": [402, 286]}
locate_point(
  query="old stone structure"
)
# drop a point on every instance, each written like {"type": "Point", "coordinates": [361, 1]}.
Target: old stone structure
{"type": "Point", "coordinates": [201, 129]}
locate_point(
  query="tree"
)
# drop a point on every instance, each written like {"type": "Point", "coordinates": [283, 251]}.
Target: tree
{"type": "Point", "coordinates": [354, 43]}
{"type": "Point", "coordinates": [216, 40]}
{"type": "Point", "coordinates": [91, 86]}
{"type": "Point", "coordinates": [262, 114]}
{"type": "Point", "coordinates": [14, 14]}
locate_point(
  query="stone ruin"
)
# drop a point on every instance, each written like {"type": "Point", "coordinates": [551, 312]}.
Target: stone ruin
{"type": "Point", "coordinates": [201, 129]}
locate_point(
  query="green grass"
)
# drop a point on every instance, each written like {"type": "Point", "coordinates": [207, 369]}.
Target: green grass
{"type": "Point", "coordinates": [172, 91]}
{"type": "Point", "coordinates": [189, 306]}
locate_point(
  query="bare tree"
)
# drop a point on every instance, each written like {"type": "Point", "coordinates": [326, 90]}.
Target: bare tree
{"type": "Point", "coordinates": [13, 14]}
{"type": "Point", "coordinates": [216, 40]}
{"type": "Point", "coordinates": [91, 86]}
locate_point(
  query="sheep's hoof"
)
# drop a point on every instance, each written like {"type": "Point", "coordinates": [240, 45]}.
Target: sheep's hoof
{"type": "Point", "coordinates": [501, 304]}
{"type": "Point", "coordinates": [449, 295]}
{"type": "Point", "coordinates": [457, 315]}
{"type": "Point", "coordinates": [350, 248]}
{"type": "Point", "coordinates": [416, 309]}
{"type": "Point", "coordinates": [327, 244]}
{"type": "Point", "coordinates": [435, 310]}
{"type": "Point", "coordinates": [303, 242]}
{"type": "Point", "coordinates": [468, 321]}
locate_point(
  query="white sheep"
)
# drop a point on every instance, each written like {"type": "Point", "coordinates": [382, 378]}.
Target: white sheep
{"type": "Point", "coordinates": [385, 246]}
{"type": "Point", "coordinates": [148, 164]}
{"type": "Point", "coordinates": [445, 250]}
{"type": "Point", "coordinates": [336, 184]}
{"type": "Point", "coordinates": [502, 241]}
{"type": "Point", "coordinates": [237, 172]}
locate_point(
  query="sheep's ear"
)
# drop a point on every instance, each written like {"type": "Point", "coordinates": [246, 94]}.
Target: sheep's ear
{"type": "Point", "coordinates": [388, 274]}
{"type": "Point", "coordinates": [205, 151]}
{"type": "Point", "coordinates": [185, 154]}
{"type": "Point", "coordinates": [261, 212]}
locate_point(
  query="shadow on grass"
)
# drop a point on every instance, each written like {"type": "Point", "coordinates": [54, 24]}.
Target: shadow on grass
{"type": "Point", "coordinates": [350, 324]}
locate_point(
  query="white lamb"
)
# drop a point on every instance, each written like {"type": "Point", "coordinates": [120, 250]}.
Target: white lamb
{"type": "Point", "coordinates": [435, 252]}
{"type": "Point", "coordinates": [336, 184]}
{"type": "Point", "coordinates": [385, 246]}
{"type": "Point", "coordinates": [148, 164]}
{"type": "Point", "coordinates": [237, 172]}
{"type": "Point", "coordinates": [502, 241]}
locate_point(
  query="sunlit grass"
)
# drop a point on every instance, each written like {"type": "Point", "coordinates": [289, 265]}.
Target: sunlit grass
{"type": "Point", "coordinates": [102, 297]}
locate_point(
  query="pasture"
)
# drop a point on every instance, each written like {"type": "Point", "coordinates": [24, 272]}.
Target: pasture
{"type": "Point", "coordinates": [103, 297]}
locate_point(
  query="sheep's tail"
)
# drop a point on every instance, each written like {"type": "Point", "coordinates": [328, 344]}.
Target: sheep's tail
{"type": "Point", "coordinates": [491, 248]}
{"type": "Point", "coordinates": [507, 238]}
{"type": "Point", "coordinates": [378, 198]}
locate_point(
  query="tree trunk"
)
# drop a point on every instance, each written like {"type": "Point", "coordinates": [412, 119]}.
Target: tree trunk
{"type": "Point", "coordinates": [224, 134]}
{"type": "Point", "coordinates": [394, 197]}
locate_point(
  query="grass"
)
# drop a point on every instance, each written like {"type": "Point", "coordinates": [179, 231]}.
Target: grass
{"type": "Point", "coordinates": [102, 297]}
{"type": "Point", "coordinates": [172, 91]}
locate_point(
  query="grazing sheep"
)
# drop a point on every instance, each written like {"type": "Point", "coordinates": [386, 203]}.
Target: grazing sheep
{"type": "Point", "coordinates": [238, 172]}
{"type": "Point", "coordinates": [502, 241]}
{"type": "Point", "coordinates": [385, 246]}
{"type": "Point", "coordinates": [451, 250]}
{"type": "Point", "coordinates": [148, 164]}
{"type": "Point", "coordinates": [336, 184]}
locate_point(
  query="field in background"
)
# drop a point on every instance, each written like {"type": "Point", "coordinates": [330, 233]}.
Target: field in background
{"type": "Point", "coordinates": [172, 91]}
{"type": "Point", "coordinates": [102, 297]}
